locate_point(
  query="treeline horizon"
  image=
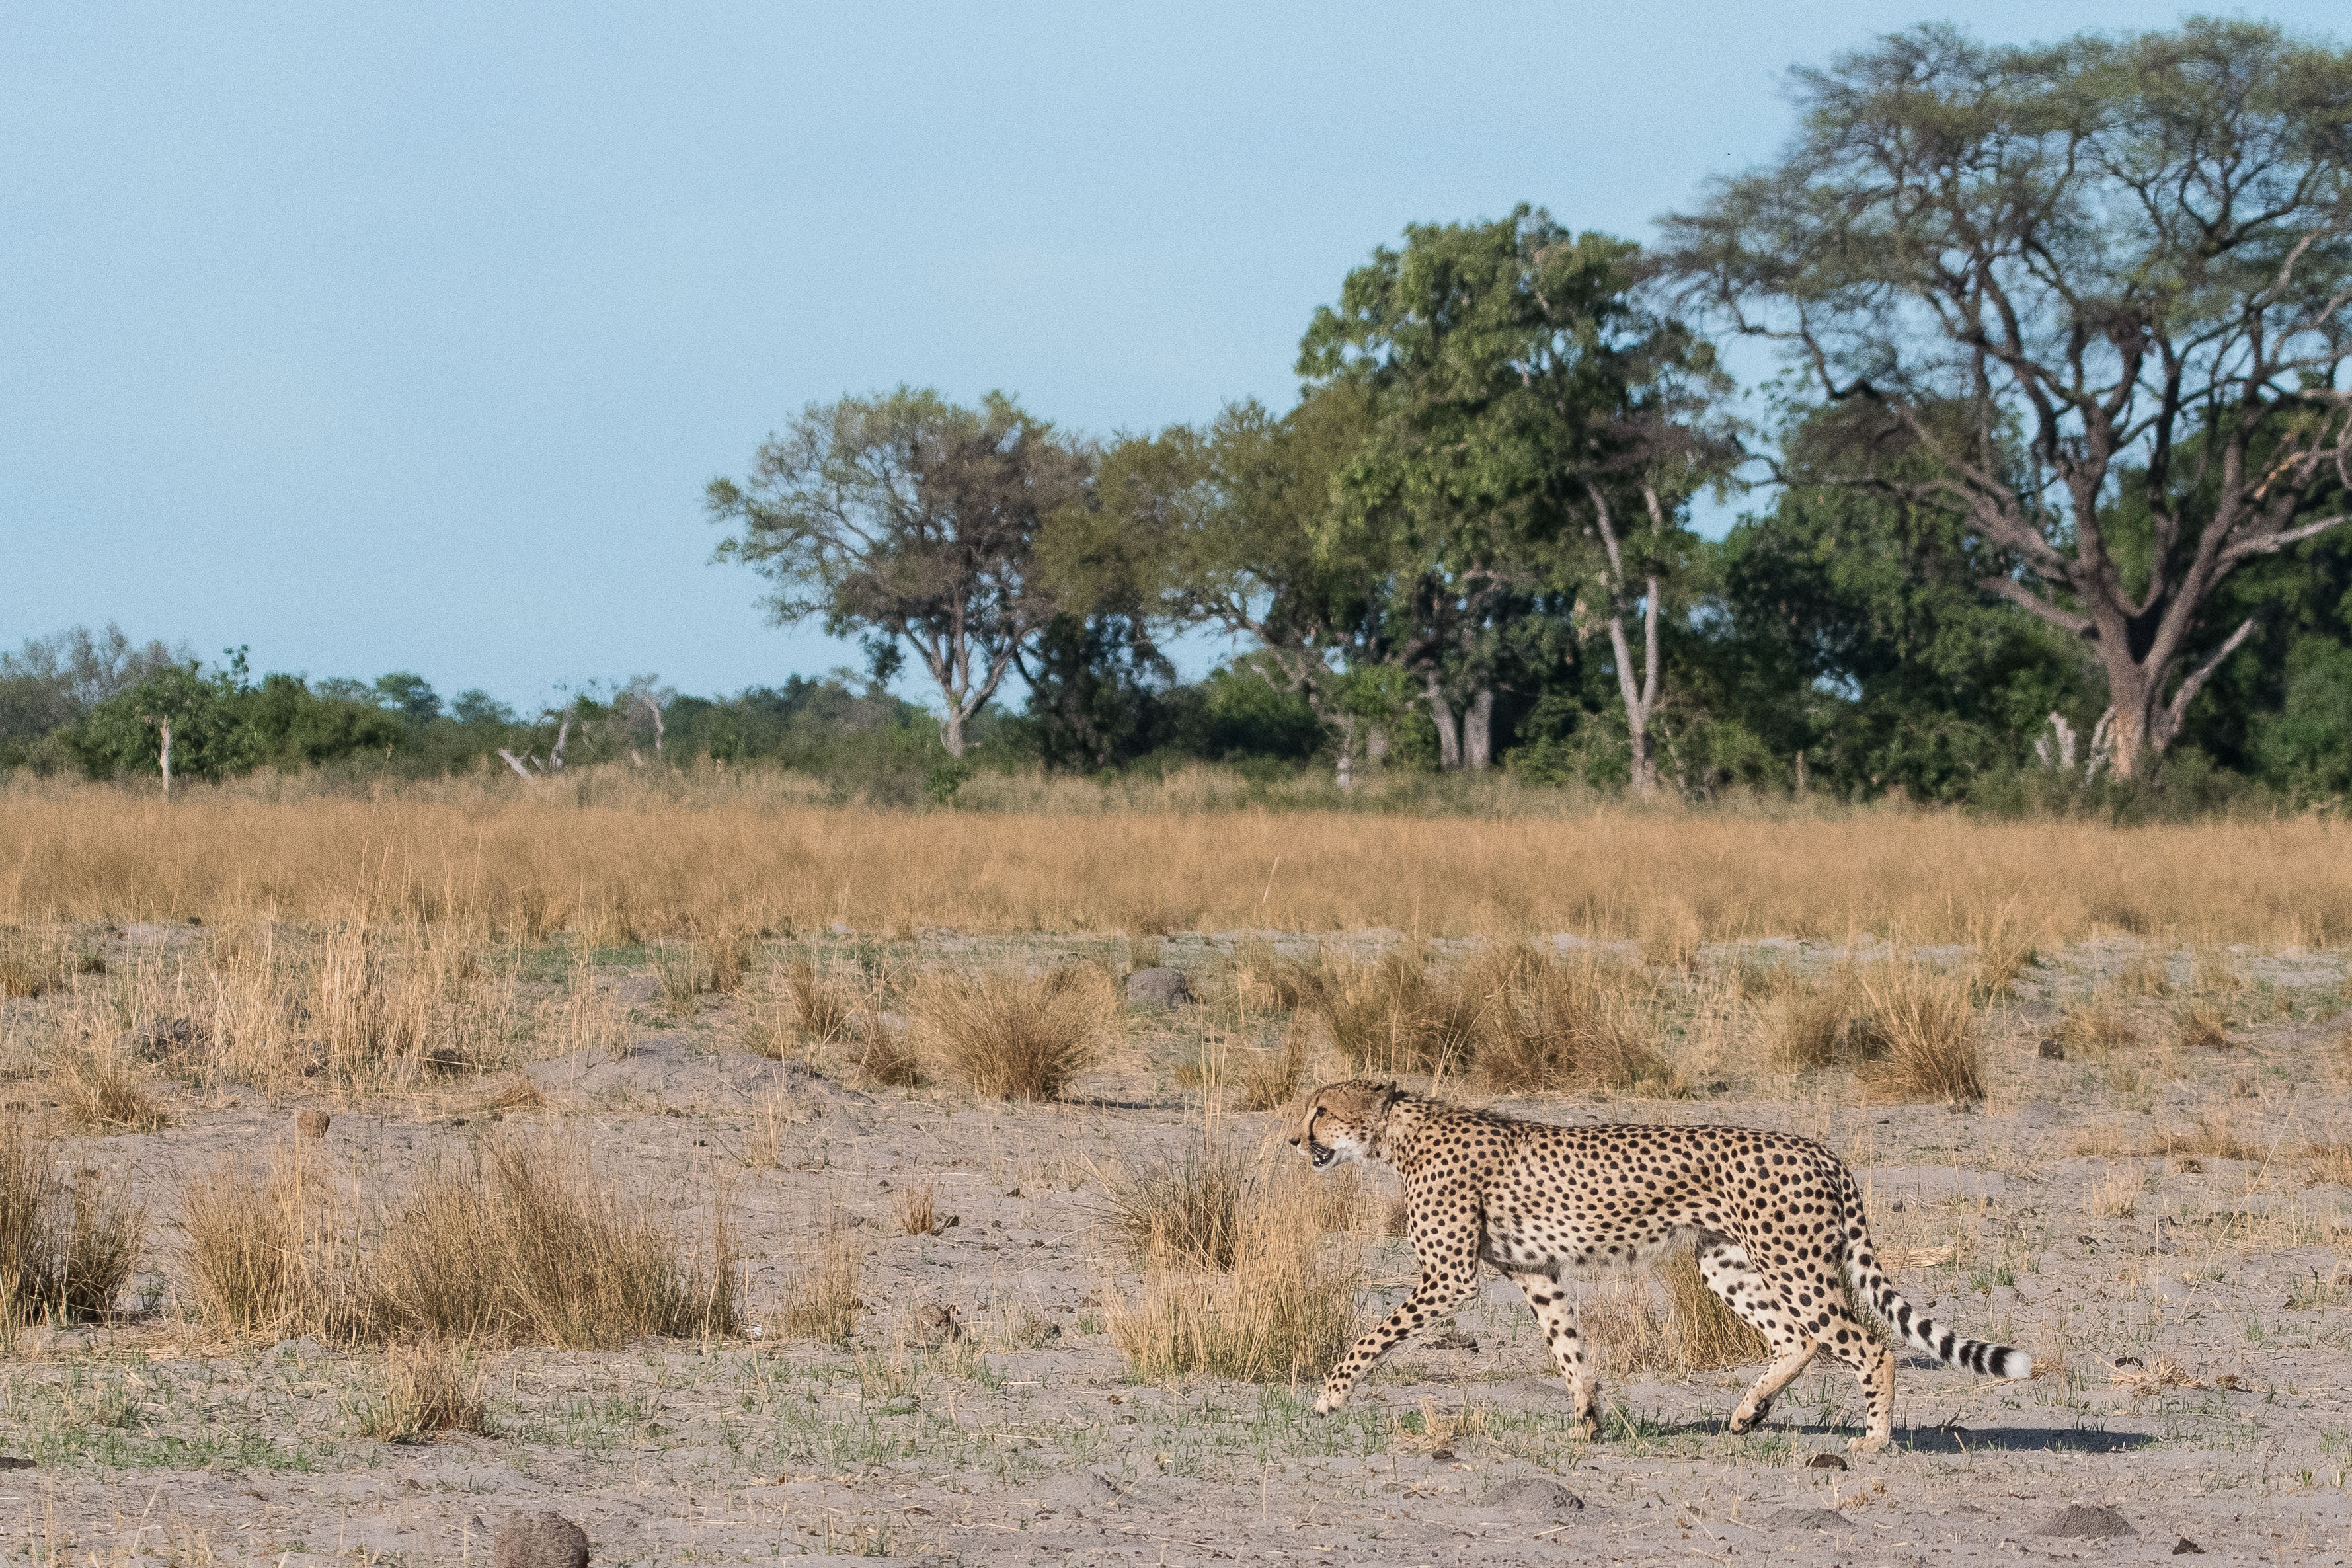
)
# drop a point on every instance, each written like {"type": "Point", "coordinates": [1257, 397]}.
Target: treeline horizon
{"type": "Point", "coordinates": [2052, 479]}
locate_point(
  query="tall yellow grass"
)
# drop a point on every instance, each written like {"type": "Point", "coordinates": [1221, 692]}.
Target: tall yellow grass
{"type": "Point", "coordinates": [599, 853]}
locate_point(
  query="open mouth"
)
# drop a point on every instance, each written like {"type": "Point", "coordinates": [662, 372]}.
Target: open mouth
{"type": "Point", "coordinates": [1321, 1154]}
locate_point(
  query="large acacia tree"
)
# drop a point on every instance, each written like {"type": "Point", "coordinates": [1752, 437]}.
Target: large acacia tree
{"type": "Point", "coordinates": [909, 522]}
{"type": "Point", "coordinates": [2103, 288]}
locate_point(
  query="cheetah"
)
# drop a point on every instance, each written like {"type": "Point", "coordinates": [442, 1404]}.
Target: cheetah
{"type": "Point", "coordinates": [1777, 1219]}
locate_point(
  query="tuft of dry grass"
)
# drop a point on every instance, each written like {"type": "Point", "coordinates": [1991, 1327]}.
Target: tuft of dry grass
{"type": "Point", "coordinates": [29, 966]}
{"type": "Point", "coordinates": [2116, 1195]}
{"type": "Point", "coordinates": [821, 1301]}
{"type": "Point", "coordinates": [2202, 1024]}
{"type": "Point", "coordinates": [1014, 1036]}
{"type": "Point", "coordinates": [1930, 1032]}
{"type": "Point", "coordinates": [65, 1249]}
{"type": "Point", "coordinates": [919, 1209]}
{"type": "Point", "coordinates": [1268, 1080]}
{"type": "Point", "coordinates": [1822, 1023]}
{"type": "Point", "coordinates": [2005, 948]}
{"type": "Point", "coordinates": [886, 1056]}
{"type": "Point", "coordinates": [2149, 974]}
{"type": "Point", "coordinates": [259, 1254]}
{"type": "Point", "coordinates": [684, 970]}
{"type": "Point", "coordinates": [2096, 1027]}
{"type": "Point", "coordinates": [822, 1007]}
{"type": "Point", "coordinates": [1282, 1314]}
{"type": "Point", "coordinates": [526, 1248]}
{"type": "Point", "coordinates": [102, 1096]}
{"type": "Point", "coordinates": [731, 949]}
{"type": "Point", "coordinates": [2329, 1162]}
{"type": "Point", "coordinates": [1142, 953]}
{"type": "Point", "coordinates": [428, 1388]}
{"type": "Point", "coordinates": [518, 1094]}
{"type": "Point", "coordinates": [1184, 1212]}
{"type": "Point", "coordinates": [1706, 1334]}
{"type": "Point", "coordinates": [1394, 1015]}
{"type": "Point", "coordinates": [1696, 1332]}
{"type": "Point", "coordinates": [1549, 1024]}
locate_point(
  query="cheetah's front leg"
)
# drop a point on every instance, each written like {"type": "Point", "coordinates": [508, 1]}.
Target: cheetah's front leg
{"type": "Point", "coordinates": [1437, 1294]}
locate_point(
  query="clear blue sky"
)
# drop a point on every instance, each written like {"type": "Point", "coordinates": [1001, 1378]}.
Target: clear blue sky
{"type": "Point", "coordinates": [406, 336]}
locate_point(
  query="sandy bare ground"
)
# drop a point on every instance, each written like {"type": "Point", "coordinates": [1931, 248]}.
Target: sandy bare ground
{"type": "Point", "coordinates": [2053, 1217]}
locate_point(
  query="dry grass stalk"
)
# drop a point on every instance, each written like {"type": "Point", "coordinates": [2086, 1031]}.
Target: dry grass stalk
{"type": "Point", "coordinates": [65, 1251]}
{"type": "Point", "coordinates": [1283, 1313]}
{"type": "Point", "coordinates": [919, 1209]}
{"type": "Point", "coordinates": [105, 1098]}
{"type": "Point", "coordinates": [526, 1248]}
{"type": "Point", "coordinates": [821, 1301]}
{"type": "Point", "coordinates": [684, 970]}
{"type": "Point", "coordinates": [1143, 952]}
{"type": "Point", "coordinates": [1548, 1024]}
{"type": "Point", "coordinates": [2202, 1024]}
{"type": "Point", "coordinates": [1696, 1332]}
{"type": "Point", "coordinates": [29, 966]}
{"type": "Point", "coordinates": [263, 1256]}
{"type": "Point", "coordinates": [1822, 1024]}
{"type": "Point", "coordinates": [2149, 974]}
{"type": "Point", "coordinates": [822, 1009]}
{"type": "Point", "coordinates": [2005, 948]}
{"type": "Point", "coordinates": [1706, 1334]}
{"type": "Point", "coordinates": [2117, 1196]}
{"type": "Point", "coordinates": [2096, 1027]}
{"type": "Point", "coordinates": [1623, 1330]}
{"type": "Point", "coordinates": [1396, 1016]}
{"type": "Point", "coordinates": [886, 1056]}
{"type": "Point", "coordinates": [1183, 1213]}
{"type": "Point", "coordinates": [1073, 855]}
{"type": "Point", "coordinates": [1931, 1034]}
{"type": "Point", "coordinates": [1013, 1036]}
{"type": "Point", "coordinates": [2329, 1162]}
{"type": "Point", "coordinates": [733, 952]}
{"type": "Point", "coordinates": [519, 1094]}
{"type": "Point", "coordinates": [428, 1388]}
{"type": "Point", "coordinates": [1268, 1080]}
{"type": "Point", "coordinates": [2146, 1381]}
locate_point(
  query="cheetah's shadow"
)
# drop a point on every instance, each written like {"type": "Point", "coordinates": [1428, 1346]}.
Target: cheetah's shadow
{"type": "Point", "coordinates": [1947, 1439]}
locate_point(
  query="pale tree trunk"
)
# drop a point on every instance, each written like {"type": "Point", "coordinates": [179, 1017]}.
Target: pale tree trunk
{"type": "Point", "coordinates": [948, 660]}
{"type": "Point", "coordinates": [1478, 733]}
{"type": "Point", "coordinates": [1449, 735]}
{"type": "Point", "coordinates": [1640, 694]}
{"type": "Point", "coordinates": [165, 725]}
{"type": "Point", "coordinates": [2145, 723]}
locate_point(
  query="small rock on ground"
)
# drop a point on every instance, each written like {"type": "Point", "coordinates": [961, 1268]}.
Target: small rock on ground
{"type": "Point", "coordinates": [1809, 1519]}
{"type": "Point", "coordinates": [1158, 988]}
{"type": "Point", "coordinates": [539, 1541]}
{"type": "Point", "coordinates": [2086, 1521]}
{"type": "Point", "coordinates": [313, 1123]}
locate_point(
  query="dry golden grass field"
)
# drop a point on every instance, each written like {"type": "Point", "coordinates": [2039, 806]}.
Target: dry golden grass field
{"type": "Point", "coordinates": [743, 1175]}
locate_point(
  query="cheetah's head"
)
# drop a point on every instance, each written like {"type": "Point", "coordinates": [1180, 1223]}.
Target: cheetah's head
{"type": "Point", "coordinates": [1344, 1122]}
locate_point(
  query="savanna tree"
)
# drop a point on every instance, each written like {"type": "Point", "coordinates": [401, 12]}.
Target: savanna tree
{"type": "Point", "coordinates": [1533, 432]}
{"type": "Point", "coordinates": [909, 522]}
{"type": "Point", "coordinates": [2102, 292]}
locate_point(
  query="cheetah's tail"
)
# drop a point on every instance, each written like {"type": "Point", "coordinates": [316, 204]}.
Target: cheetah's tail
{"type": "Point", "coordinates": [1872, 1286]}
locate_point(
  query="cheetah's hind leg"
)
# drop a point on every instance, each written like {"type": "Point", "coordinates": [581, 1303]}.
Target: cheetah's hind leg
{"type": "Point", "coordinates": [1730, 1274]}
{"type": "Point", "coordinates": [1556, 1316]}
